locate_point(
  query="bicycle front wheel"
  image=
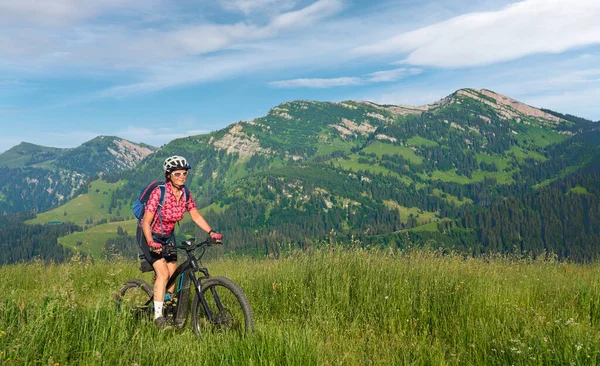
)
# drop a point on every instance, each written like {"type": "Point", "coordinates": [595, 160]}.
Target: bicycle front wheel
{"type": "Point", "coordinates": [135, 298]}
{"type": "Point", "coordinates": [227, 304]}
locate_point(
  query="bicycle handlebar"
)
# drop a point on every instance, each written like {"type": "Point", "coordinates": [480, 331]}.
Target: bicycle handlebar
{"type": "Point", "coordinates": [190, 244]}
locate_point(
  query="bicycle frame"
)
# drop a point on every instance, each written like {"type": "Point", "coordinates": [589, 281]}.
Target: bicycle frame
{"type": "Point", "coordinates": [187, 270]}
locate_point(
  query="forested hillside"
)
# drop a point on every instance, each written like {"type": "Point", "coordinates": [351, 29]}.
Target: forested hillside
{"type": "Point", "coordinates": [25, 242]}
{"type": "Point", "coordinates": [476, 172]}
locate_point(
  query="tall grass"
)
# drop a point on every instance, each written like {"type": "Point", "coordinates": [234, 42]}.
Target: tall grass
{"type": "Point", "coordinates": [327, 306]}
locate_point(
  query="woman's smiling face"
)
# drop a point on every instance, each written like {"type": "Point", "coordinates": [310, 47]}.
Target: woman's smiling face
{"type": "Point", "coordinates": [179, 175]}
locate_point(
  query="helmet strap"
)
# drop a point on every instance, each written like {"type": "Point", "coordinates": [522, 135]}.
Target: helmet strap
{"type": "Point", "coordinates": [175, 185]}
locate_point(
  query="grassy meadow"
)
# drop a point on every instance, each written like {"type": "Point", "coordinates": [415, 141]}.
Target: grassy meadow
{"type": "Point", "coordinates": [328, 306]}
{"type": "Point", "coordinates": [422, 216]}
{"type": "Point", "coordinates": [91, 241]}
{"type": "Point", "coordinates": [93, 206]}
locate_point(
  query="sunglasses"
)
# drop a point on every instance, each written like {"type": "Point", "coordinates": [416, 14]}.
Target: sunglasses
{"type": "Point", "coordinates": [179, 174]}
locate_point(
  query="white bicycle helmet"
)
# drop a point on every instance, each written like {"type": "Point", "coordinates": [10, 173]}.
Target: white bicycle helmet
{"type": "Point", "coordinates": [175, 162]}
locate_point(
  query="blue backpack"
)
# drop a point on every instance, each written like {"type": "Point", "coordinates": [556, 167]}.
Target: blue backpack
{"type": "Point", "coordinates": [139, 205]}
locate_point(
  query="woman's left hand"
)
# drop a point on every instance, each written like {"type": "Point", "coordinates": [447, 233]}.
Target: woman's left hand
{"type": "Point", "coordinates": [216, 236]}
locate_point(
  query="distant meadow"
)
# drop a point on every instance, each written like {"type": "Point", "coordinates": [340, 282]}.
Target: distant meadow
{"type": "Point", "coordinates": [328, 306]}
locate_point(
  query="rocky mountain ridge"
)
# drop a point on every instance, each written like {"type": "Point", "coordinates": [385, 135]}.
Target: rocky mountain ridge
{"type": "Point", "coordinates": [361, 119]}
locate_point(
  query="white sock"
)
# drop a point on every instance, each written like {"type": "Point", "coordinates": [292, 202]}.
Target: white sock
{"type": "Point", "coordinates": [158, 307]}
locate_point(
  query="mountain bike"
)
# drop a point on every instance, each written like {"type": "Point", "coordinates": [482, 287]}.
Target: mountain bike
{"type": "Point", "coordinates": [218, 303]}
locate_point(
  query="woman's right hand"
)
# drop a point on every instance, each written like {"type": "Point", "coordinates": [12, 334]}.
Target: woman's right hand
{"type": "Point", "coordinates": [155, 247]}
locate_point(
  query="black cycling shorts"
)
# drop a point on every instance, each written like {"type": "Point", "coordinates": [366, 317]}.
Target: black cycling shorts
{"type": "Point", "coordinates": [169, 254]}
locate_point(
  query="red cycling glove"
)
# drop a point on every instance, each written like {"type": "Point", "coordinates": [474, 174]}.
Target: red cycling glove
{"type": "Point", "coordinates": [155, 245]}
{"type": "Point", "coordinates": [216, 236]}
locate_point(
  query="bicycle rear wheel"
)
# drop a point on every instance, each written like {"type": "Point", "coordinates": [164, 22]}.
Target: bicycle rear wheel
{"type": "Point", "coordinates": [135, 298]}
{"type": "Point", "coordinates": [228, 305]}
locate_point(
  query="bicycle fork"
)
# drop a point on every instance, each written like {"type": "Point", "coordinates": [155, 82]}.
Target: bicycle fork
{"type": "Point", "coordinates": [198, 285]}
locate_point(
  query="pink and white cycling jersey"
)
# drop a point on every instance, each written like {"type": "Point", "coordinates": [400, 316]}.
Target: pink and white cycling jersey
{"type": "Point", "coordinates": [172, 211]}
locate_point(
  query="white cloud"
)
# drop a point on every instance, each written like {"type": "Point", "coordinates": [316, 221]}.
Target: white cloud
{"type": "Point", "coordinates": [211, 37]}
{"type": "Point", "coordinates": [316, 11]}
{"type": "Point", "coordinates": [391, 75]}
{"type": "Point", "coordinates": [195, 40]}
{"type": "Point", "coordinates": [134, 45]}
{"type": "Point", "coordinates": [182, 73]}
{"type": "Point", "coordinates": [317, 82]}
{"type": "Point", "coordinates": [521, 29]}
{"type": "Point", "coordinates": [61, 12]}
{"type": "Point", "coordinates": [259, 57]}
{"type": "Point", "coordinates": [374, 77]}
{"type": "Point", "coordinates": [249, 7]}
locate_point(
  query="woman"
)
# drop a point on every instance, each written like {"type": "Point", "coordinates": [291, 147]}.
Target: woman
{"type": "Point", "coordinates": [155, 231]}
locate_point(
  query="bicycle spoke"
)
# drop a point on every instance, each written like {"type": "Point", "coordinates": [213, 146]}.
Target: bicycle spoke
{"type": "Point", "coordinates": [225, 308]}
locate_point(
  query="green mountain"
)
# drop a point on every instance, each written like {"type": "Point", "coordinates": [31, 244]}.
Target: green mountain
{"type": "Point", "coordinates": [26, 154]}
{"type": "Point", "coordinates": [476, 172]}
{"type": "Point", "coordinates": [35, 178]}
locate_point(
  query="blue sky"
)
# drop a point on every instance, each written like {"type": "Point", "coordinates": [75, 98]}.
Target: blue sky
{"type": "Point", "coordinates": [154, 70]}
